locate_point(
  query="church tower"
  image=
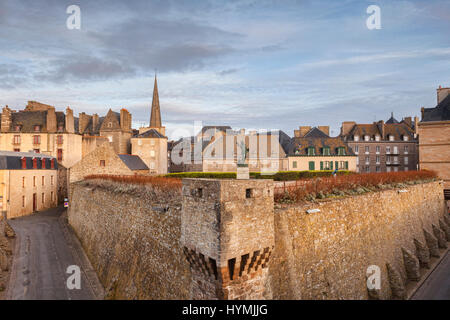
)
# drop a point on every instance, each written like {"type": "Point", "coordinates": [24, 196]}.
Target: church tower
{"type": "Point", "coordinates": [155, 113]}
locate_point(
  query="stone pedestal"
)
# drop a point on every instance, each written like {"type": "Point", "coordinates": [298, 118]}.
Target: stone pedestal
{"type": "Point", "coordinates": [227, 232]}
{"type": "Point", "coordinates": [243, 173]}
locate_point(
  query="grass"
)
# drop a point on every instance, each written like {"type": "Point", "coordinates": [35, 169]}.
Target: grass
{"type": "Point", "coordinates": [353, 184]}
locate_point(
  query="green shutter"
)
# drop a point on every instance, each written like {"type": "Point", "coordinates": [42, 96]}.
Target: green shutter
{"type": "Point", "coordinates": [311, 165]}
{"type": "Point", "coordinates": [331, 165]}
{"type": "Point", "coordinates": [346, 165]}
{"type": "Point", "coordinates": [321, 165]}
{"type": "Point", "coordinates": [336, 165]}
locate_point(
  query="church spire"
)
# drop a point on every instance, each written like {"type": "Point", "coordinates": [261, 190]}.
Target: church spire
{"type": "Point", "coordinates": [155, 116]}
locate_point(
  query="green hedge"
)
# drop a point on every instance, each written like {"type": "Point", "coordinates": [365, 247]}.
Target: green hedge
{"type": "Point", "coordinates": [277, 176]}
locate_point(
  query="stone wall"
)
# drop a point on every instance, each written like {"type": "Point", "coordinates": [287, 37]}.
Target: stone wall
{"type": "Point", "coordinates": [325, 255]}
{"type": "Point", "coordinates": [131, 236]}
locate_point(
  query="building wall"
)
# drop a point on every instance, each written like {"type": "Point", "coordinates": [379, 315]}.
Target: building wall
{"type": "Point", "coordinates": [325, 255]}
{"type": "Point", "coordinates": [14, 188]}
{"type": "Point", "coordinates": [303, 162]}
{"type": "Point", "coordinates": [143, 148]}
{"type": "Point", "coordinates": [434, 148]}
{"type": "Point", "coordinates": [71, 145]}
{"type": "Point", "coordinates": [120, 140]}
{"type": "Point", "coordinates": [90, 143]}
{"type": "Point", "coordinates": [91, 164]}
{"type": "Point", "coordinates": [359, 148]}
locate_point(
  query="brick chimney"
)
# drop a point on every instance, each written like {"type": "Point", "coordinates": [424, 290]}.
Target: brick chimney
{"type": "Point", "coordinates": [408, 121]}
{"type": "Point", "coordinates": [51, 120]}
{"type": "Point", "coordinates": [324, 129]}
{"type": "Point", "coordinates": [70, 126]}
{"type": "Point", "coordinates": [346, 127]}
{"type": "Point", "coordinates": [125, 120]}
{"type": "Point", "coordinates": [6, 119]}
{"type": "Point", "coordinates": [302, 131]}
{"type": "Point", "coordinates": [94, 121]}
{"type": "Point", "coordinates": [442, 93]}
{"type": "Point", "coordinates": [83, 122]}
{"type": "Point", "coordinates": [382, 128]}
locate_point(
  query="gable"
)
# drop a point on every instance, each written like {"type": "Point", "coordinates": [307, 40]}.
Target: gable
{"type": "Point", "coordinates": [111, 121]}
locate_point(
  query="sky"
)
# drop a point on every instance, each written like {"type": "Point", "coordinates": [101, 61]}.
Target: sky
{"type": "Point", "coordinates": [248, 64]}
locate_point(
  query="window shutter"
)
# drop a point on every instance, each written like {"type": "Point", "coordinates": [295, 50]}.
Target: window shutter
{"type": "Point", "coordinates": [346, 165]}
{"type": "Point", "coordinates": [321, 165]}
{"type": "Point", "coordinates": [336, 164]}
{"type": "Point", "coordinates": [331, 165]}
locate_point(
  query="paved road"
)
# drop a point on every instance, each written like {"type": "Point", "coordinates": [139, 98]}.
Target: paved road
{"type": "Point", "coordinates": [437, 285]}
{"type": "Point", "coordinates": [44, 248]}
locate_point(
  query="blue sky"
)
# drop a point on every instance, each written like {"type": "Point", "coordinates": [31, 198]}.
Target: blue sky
{"type": "Point", "coordinates": [247, 64]}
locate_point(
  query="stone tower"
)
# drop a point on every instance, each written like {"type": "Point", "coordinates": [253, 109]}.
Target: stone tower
{"type": "Point", "coordinates": [227, 234]}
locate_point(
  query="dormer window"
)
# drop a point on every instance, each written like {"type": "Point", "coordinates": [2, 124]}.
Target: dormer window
{"type": "Point", "coordinates": [37, 128]}
{"type": "Point", "coordinates": [60, 128]}
{"type": "Point", "coordinates": [391, 137]}
{"type": "Point", "coordinates": [377, 138]}
{"type": "Point", "coordinates": [109, 124]}
{"type": "Point", "coordinates": [366, 138]}
{"type": "Point", "coordinates": [17, 128]}
{"type": "Point", "coordinates": [405, 138]}
{"type": "Point", "coordinates": [326, 151]}
{"type": "Point", "coordinates": [311, 151]}
{"type": "Point", "coordinates": [356, 138]}
{"type": "Point", "coordinates": [341, 151]}
{"type": "Point", "coordinates": [24, 163]}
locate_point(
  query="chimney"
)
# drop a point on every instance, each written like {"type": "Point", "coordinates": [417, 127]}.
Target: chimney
{"type": "Point", "coordinates": [408, 121]}
{"type": "Point", "coordinates": [324, 129]}
{"type": "Point", "coordinates": [416, 125]}
{"type": "Point", "coordinates": [94, 122]}
{"type": "Point", "coordinates": [51, 120]}
{"type": "Point", "coordinates": [6, 119]}
{"type": "Point", "coordinates": [346, 127]}
{"type": "Point", "coordinates": [302, 131]}
{"type": "Point", "coordinates": [442, 93]}
{"type": "Point", "coordinates": [83, 122]}
{"type": "Point", "coordinates": [382, 128]}
{"type": "Point", "coordinates": [70, 126]}
{"type": "Point", "coordinates": [125, 120]}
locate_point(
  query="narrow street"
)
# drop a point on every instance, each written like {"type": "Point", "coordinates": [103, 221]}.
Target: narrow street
{"type": "Point", "coordinates": [437, 285]}
{"type": "Point", "coordinates": [44, 248]}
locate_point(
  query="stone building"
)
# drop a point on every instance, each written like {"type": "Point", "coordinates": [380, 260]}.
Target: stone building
{"type": "Point", "coordinates": [104, 160]}
{"type": "Point", "coordinates": [434, 138]}
{"type": "Point", "coordinates": [383, 146]}
{"type": "Point", "coordinates": [28, 183]}
{"type": "Point", "coordinates": [150, 144]}
{"type": "Point", "coordinates": [314, 149]}
{"type": "Point", "coordinates": [41, 129]}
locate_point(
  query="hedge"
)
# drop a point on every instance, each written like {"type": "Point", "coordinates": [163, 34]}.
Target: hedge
{"type": "Point", "coordinates": [277, 176]}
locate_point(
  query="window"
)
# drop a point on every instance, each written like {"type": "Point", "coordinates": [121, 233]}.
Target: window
{"type": "Point", "coordinates": [405, 138]}
{"type": "Point", "coordinates": [388, 150]}
{"type": "Point", "coordinates": [34, 163]}
{"type": "Point", "coordinates": [17, 128]}
{"type": "Point", "coordinates": [377, 138]}
{"type": "Point", "coordinates": [152, 142]}
{"type": "Point", "coordinates": [388, 169]}
{"type": "Point", "coordinates": [356, 138]}
{"type": "Point", "coordinates": [152, 153]}
{"type": "Point", "coordinates": [109, 124]}
{"type": "Point", "coordinates": [43, 180]}
{"type": "Point", "coordinates": [51, 196]}
{"type": "Point", "coordinates": [34, 181]}
{"type": "Point", "coordinates": [367, 169]}
{"type": "Point", "coordinates": [395, 169]}
{"type": "Point", "coordinates": [357, 160]}
{"type": "Point", "coordinates": [377, 159]}
{"type": "Point", "coordinates": [388, 159]}
{"type": "Point", "coordinates": [152, 165]}
{"type": "Point", "coordinates": [37, 139]}
{"type": "Point", "coordinates": [16, 139]}
{"type": "Point", "coordinates": [391, 137]}
{"type": "Point", "coordinates": [52, 164]}
{"type": "Point", "coordinates": [378, 169]}
{"type": "Point", "coordinates": [294, 164]}
{"type": "Point", "coordinates": [395, 150]}
{"type": "Point", "coordinates": [406, 160]}
{"type": "Point", "coordinates": [43, 198]}
{"type": "Point", "coordinates": [60, 128]}
{"type": "Point", "coordinates": [24, 163]}
{"type": "Point", "coordinates": [367, 160]}
{"type": "Point", "coordinates": [139, 142]}
{"type": "Point", "coordinates": [36, 150]}
{"type": "Point", "coordinates": [366, 138]}
{"type": "Point", "coordinates": [342, 165]}
{"type": "Point", "coordinates": [16, 150]}
{"type": "Point", "coordinates": [110, 138]}
{"type": "Point", "coordinates": [356, 149]}
{"type": "Point", "coordinates": [248, 193]}
{"type": "Point", "coordinates": [37, 128]}
{"type": "Point", "coordinates": [51, 180]}
{"type": "Point", "coordinates": [59, 139]}
{"type": "Point", "coordinates": [327, 165]}
{"type": "Point", "coordinates": [23, 201]}
{"type": "Point", "coordinates": [378, 148]}
{"type": "Point", "coordinates": [60, 154]}
{"type": "Point", "coordinates": [23, 182]}
{"type": "Point", "coordinates": [102, 163]}
{"type": "Point", "coordinates": [405, 149]}
{"type": "Point", "coordinates": [326, 151]}
{"type": "Point", "coordinates": [341, 151]}
{"type": "Point", "coordinates": [311, 151]}
{"type": "Point", "coordinates": [367, 149]}
{"type": "Point", "coordinates": [312, 165]}
{"type": "Point", "coordinates": [406, 168]}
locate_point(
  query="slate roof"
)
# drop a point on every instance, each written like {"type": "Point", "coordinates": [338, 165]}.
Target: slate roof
{"type": "Point", "coordinates": [13, 160]}
{"type": "Point", "coordinates": [152, 133]}
{"type": "Point", "coordinates": [315, 133]}
{"type": "Point", "coordinates": [133, 162]}
{"type": "Point", "coordinates": [398, 130]}
{"type": "Point", "coordinates": [28, 119]}
{"type": "Point", "coordinates": [392, 119]}
{"type": "Point", "coordinates": [299, 146]}
{"type": "Point", "coordinates": [439, 113]}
